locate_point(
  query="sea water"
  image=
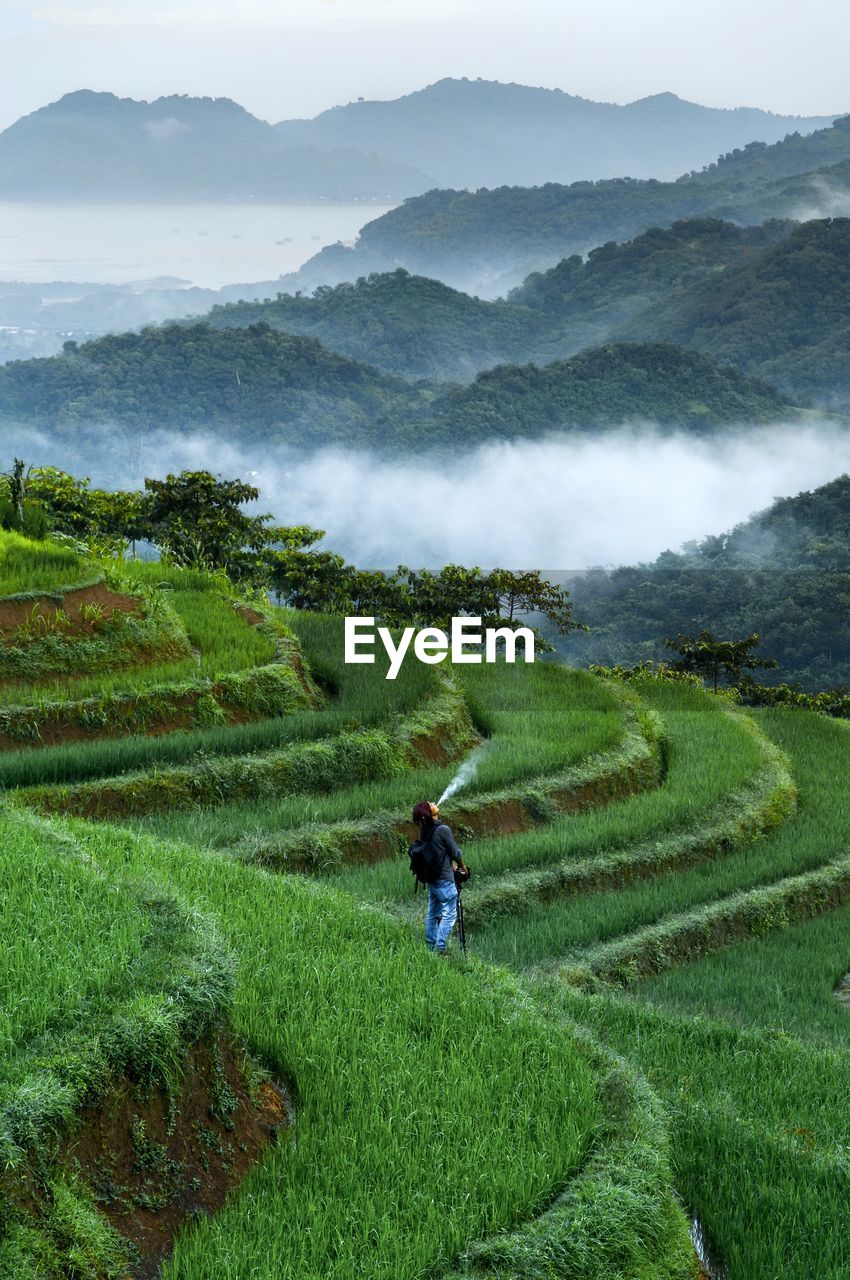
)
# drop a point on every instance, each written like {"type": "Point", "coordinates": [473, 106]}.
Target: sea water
{"type": "Point", "coordinates": [208, 245]}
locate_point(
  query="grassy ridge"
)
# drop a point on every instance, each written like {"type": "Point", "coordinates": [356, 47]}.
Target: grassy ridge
{"type": "Point", "coordinates": [362, 700]}
{"type": "Point", "coordinates": [224, 642]}
{"type": "Point", "coordinates": [745, 814]}
{"type": "Point", "coordinates": [54, 964]}
{"type": "Point", "coordinates": [708, 754]}
{"type": "Point", "coordinates": [566, 717]}
{"type": "Point", "coordinates": [103, 976]}
{"type": "Point", "coordinates": [759, 1130]}
{"type": "Point", "coordinates": [785, 981]}
{"type": "Point", "coordinates": [356, 755]}
{"type": "Point", "coordinates": [457, 1065]}
{"type": "Point", "coordinates": [793, 872]}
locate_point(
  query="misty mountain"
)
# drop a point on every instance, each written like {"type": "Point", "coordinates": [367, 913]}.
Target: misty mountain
{"type": "Point", "coordinates": [258, 385]}
{"type": "Point", "coordinates": [487, 241]}
{"type": "Point", "coordinates": [480, 133]}
{"type": "Point", "coordinates": [625, 382]}
{"type": "Point", "coordinates": [410, 325]}
{"type": "Point", "coordinates": [404, 324]}
{"type": "Point", "coordinates": [782, 315]}
{"type": "Point", "coordinates": [785, 573]}
{"type": "Point", "coordinates": [619, 280]}
{"type": "Point", "coordinates": [417, 327]}
{"type": "Point", "coordinates": [253, 381]}
{"type": "Point", "coordinates": [94, 146]}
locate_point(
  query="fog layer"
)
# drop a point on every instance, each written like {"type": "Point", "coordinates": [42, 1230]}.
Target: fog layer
{"type": "Point", "coordinates": [555, 504]}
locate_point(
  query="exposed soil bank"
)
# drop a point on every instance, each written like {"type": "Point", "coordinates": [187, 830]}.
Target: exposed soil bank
{"type": "Point", "coordinates": [13, 613]}
{"type": "Point", "coordinates": [153, 1159]}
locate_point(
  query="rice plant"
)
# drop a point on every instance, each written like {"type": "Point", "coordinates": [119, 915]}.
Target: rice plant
{"type": "Point", "coordinates": [708, 755]}
{"type": "Point", "coordinates": [412, 1085]}
{"type": "Point", "coordinates": [541, 720]}
{"type": "Point", "coordinates": [27, 566]}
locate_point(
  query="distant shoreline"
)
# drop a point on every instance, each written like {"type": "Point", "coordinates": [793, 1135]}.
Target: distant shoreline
{"type": "Point", "coordinates": [383, 202]}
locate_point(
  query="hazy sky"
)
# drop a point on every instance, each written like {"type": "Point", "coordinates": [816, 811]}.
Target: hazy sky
{"type": "Point", "coordinates": [283, 58]}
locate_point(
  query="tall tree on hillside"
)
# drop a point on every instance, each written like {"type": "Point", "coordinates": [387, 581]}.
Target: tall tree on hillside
{"type": "Point", "coordinates": [710, 659]}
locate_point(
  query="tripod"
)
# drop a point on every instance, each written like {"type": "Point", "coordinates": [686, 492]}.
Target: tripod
{"type": "Point", "coordinates": [461, 931]}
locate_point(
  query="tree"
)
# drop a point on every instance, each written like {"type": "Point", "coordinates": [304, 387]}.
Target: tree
{"type": "Point", "coordinates": [18, 511]}
{"type": "Point", "coordinates": [322, 581]}
{"type": "Point", "coordinates": [530, 592]}
{"type": "Point", "coordinates": [17, 491]}
{"type": "Point", "coordinates": [196, 518]}
{"type": "Point", "coordinates": [709, 658]}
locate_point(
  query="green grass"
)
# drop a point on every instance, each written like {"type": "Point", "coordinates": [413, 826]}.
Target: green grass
{"type": "Point", "coordinates": [362, 697]}
{"type": "Point", "coordinates": [346, 1004]}
{"type": "Point", "coordinates": [819, 749]}
{"type": "Point", "coordinates": [760, 1131]}
{"type": "Point", "coordinates": [30, 566]}
{"type": "Point", "coordinates": [68, 936]}
{"type": "Point", "coordinates": [750, 1047]}
{"type": "Point", "coordinates": [540, 719]}
{"type": "Point", "coordinates": [785, 981]}
{"type": "Point", "coordinates": [708, 754]}
{"type": "Point", "coordinates": [543, 719]}
{"type": "Point", "coordinates": [415, 1080]}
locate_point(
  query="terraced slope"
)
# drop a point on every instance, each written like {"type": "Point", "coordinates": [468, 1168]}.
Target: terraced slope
{"type": "Point", "coordinates": [613, 835]}
{"type": "Point", "coordinates": [721, 851]}
{"type": "Point", "coordinates": [107, 983]}
{"type": "Point", "coordinates": [344, 1006]}
{"type": "Point", "coordinates": [313, 982]}
{"type": "Point", "coordinates": [555, 740]}
{"type": "Point", "coordinates": [759, 1137]}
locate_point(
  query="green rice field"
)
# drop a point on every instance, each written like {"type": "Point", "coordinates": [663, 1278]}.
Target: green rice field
{"type": "Point", "coordinates": [493, 1115]}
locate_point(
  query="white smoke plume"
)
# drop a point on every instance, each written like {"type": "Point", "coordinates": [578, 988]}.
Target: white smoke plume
{"type": "Point", "coordinates": [827, 200]}
{"type": "Point", "coordinates": [465, 774]}
{"type": "Point", "coordinates": [560, 503]}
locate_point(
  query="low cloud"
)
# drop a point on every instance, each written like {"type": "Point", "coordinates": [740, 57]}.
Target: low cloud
{"type": "Point", "coordinates": [554, 504]}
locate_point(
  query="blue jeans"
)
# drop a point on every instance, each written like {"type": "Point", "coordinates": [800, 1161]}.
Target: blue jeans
{"type": "Point", "coordinates": [442, 913]}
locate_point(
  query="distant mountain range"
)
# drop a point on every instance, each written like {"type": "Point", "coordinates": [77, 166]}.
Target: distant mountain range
{"type": "Point", "coordinates": [98, 147]}
{"type": "Point", "coordinates": [487, 241]}
{"type": "Point", "coordinates": [480, 133]}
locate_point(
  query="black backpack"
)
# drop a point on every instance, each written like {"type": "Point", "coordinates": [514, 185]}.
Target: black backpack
{"type": "Point", "coordinates": [426, 860]}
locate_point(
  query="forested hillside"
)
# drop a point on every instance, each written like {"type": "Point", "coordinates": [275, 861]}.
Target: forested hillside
{"type": "Point", "coordinates": [784, 573]}
{"type": "Point", "coordinates": [254, 380]}
{"type": "Point", "coordinates": [255, 385]}
{"type": "Point", "coordinates": [421, 328]}
{"type": "Point", "coordinates": [783, 315]}
{"type": "Point", "coordinates": [405, 324]}
{"type": "Point", "coordinates": [488, 240]}
{"type": "Point", "coordinates": [653, 383]}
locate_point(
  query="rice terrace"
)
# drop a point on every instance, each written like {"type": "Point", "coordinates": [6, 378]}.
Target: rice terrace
{"type": "Point", "coordinates": [225, 1050]}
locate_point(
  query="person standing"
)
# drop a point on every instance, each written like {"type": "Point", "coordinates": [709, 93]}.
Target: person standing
{"type": "Point", "coordinates": [434, 858]}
